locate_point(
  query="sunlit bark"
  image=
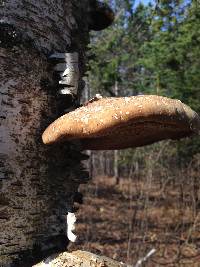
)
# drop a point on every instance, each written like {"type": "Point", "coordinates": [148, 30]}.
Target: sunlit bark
{"type": "Point", "coordinates": [37, 182]}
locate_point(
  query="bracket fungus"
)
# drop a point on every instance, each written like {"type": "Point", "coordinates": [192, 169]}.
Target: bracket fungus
{"type": "Point", "coordinates": [123, 122]}
{"type": "Point", "coordinates": [71, 219]}
{"type": "Point", "coordinates": [100, 16]}
{"type": "Point", "coordinates": [67, 67]}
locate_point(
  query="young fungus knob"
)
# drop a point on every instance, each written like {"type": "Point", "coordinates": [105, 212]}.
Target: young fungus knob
{"type": "Point", "coordinates": [101, 16]}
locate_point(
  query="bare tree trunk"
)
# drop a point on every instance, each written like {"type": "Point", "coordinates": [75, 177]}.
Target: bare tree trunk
{"type": "Point", "coordinates": [116, 152]}
{"type": "Point", "coordinates": [86, 98]}
{"type": "Point", "coordinates": [116, 169]}
{"type": "Point", "coordinates": [37, 183]}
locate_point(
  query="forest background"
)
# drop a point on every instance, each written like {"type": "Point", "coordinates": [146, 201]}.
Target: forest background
{"type": "Point", "coordinates": [152, 48]}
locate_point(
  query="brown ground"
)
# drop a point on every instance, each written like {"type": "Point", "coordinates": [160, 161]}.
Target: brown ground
{"type": "Point", "coordinates": [126, 221]}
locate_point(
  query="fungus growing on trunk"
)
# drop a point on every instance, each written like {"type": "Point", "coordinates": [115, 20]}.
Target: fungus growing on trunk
{"type": "Point", "coordinates": [100, 15]}
{"type": "Point", "coordinates": [71, 219]}
{"type": "Point", "coordinates": [118, 123]}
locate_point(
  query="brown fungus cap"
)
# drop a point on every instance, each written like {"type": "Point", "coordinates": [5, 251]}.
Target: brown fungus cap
{"type": "Point", "coordinates": [118, 123]}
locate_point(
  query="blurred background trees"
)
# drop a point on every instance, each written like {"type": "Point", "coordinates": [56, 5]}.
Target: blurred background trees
{"type": "Point", "coordinates": [150, 49]}
{"type": "Point", "coordinates": [154, 199]}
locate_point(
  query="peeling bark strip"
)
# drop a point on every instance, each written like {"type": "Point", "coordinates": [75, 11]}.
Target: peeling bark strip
{"type": "Point", "coordinates": [38, 184]}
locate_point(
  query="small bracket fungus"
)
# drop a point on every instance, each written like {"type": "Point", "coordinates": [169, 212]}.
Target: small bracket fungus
{"type": "Point", "coordinates": [100, 15]}
{"type": "Point", "coordinates": [71, 219]}
{"type": "Point", "coordinates": [118, 123]}
{"type": "Point", "coordinates": [77, 197]}
{"type": "Point", "coordinates": [68, 70]}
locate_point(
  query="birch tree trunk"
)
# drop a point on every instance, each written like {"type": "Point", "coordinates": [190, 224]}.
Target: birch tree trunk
{"type": "Point", "coordinates": [37, 183]}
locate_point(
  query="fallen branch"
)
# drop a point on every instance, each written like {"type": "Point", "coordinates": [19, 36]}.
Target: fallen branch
{"type": "Point", "coordinates": [144, 259]}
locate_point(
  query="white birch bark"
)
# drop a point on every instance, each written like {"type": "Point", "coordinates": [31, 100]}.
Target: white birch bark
{"type": "Point", "coordinates": [37, 183]}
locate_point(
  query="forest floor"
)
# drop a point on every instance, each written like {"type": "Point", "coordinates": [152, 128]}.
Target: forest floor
{"type": "Point", "coordinates": [126, 221]}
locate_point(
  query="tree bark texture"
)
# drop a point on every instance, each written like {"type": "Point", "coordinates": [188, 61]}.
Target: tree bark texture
{"type": "Point", "coordinates": [37, 183]}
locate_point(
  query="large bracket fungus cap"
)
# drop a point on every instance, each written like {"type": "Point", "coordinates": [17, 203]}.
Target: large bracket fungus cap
{"type": "Point", "coordinates": [118, 123]}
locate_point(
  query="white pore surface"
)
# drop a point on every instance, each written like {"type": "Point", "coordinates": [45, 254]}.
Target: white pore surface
{"type": "Point", "coordinates": [71, 219]}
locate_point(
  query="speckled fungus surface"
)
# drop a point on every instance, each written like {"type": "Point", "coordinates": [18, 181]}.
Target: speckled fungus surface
{"type": "Point", "coordinates": [118, 123]}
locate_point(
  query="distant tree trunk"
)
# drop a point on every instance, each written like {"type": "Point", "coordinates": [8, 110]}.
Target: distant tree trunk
{"type": "Point", "coordinates": [116, 168]}
{"type": "Point", "coordinates": [37, 183]}
{"type": "Point", "coordinates": [87, 97]}
{"type": "Point", "coordinates": [116, 152]}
